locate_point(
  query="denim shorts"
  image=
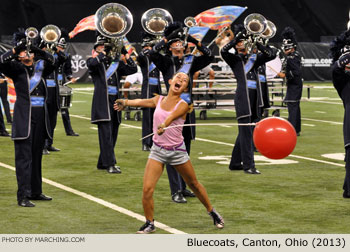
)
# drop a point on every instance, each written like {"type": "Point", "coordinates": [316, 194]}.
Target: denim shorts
{"type": "Point", "coordinates": [175, 156]}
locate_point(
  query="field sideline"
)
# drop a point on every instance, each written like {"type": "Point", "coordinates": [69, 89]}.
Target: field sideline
{"type": "Point", "coordinates": [301, 194]}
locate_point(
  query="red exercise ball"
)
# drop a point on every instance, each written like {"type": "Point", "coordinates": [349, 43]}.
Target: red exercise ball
{"type": "Point", "coordinates": [274, 137]}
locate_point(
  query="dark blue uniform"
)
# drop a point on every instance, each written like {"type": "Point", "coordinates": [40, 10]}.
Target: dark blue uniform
{"type": "Point", "coordinates": [294, 89]}
{"type": "Point", "coordinates": [241, 65]}
{"type": "Point", "coordinates": [150, 86]}
{"type": "Point", "coordinates": [30, 120]}
{"type": "Point", "coordinates": [102, 113]}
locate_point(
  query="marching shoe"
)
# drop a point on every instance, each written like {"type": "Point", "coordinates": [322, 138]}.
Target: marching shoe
{"type": "Point", "coordinates": [346, 195]}
{"type": "Point", "coordinates": [73, 134]}
{"type": "Point", "coordinates": [51, 148]}
{"type": "Point", "coordinates": [114, 169]}
{"type": "Point", "coordinates": [45, 152]}
{"type": "Point", "coordinates": [252, 171]}
{"type": "Point", "coordinates": [188, 193]}
{"type": "Point", "coordinates": [146, 147]}
{"type": "Point", "coordinates": [4, 133]}
{"type": "Point", "coordinates": [25, 203]}
{"type": "Point", "coordinates": [40, 197]}
{"type": "Point", "coordinates": [178, 197]}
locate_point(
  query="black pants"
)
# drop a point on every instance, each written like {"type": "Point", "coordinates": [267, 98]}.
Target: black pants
{"type": "Point", "coordinates": [66, 121]}
{"type": "Point", "coordinates": [107, 135]}
{"type": "Point", "coordinates": [243, 150]}
{"type": "Point", "coordinates": [52, 111]}
{"type": "Point", "coordinates": [294, 116]}
{"type": "Point", "coordinates": [3, 95]}
{"type": "Point", "coordinates": [346, 185]}
{"type": "Point", "coordinates": [28, 156]}
{"type": "Point", "coordinates": [147, 125]}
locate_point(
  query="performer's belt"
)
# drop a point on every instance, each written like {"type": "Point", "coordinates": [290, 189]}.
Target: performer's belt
{"type": "Point", "coordinates": [50, 83]}
{"type": "Point", "coordinates": [262, 78]}
{"type": "Point", "coordinates": [112, 90]}
{"type": "Point", "coordinates": [37, 101]}
{"type": "Point", "coordinates": [176, 148]}
{"type": "Point", "coordinates": [251, 84]}
{"type": "Point", "coordinates": [153, 81]}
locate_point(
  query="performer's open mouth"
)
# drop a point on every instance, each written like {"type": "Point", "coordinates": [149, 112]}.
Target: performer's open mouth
{"type": "Point", "coordinates": [177, 86]}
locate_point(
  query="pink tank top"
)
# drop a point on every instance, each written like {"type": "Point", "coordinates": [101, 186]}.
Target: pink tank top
{"type": "Point", "coordinates": [171, 137]}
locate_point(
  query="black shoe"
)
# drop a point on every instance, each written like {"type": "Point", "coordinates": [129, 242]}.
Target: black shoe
{"type": "Point", "coordinates": [146, 147]}
{"type": "Point", "coordinates": [346, 195]}
{"type": "Point", "coordinates": [235, 167]}
{"type": "Point", "coordinates": [114, 169]}
{"type": "Point", "coordinates": [298, 134]}
{"type": "Point", "coordinates": [25, 203]}
{"type": "Point", "coordinates": [4, 133]}
{"type": "Point", "coordinates": [73, 134]}
{"type": "Point", "coordinates": [51, 148]}
{"type": "Point", "coordinates": [45, 152]}
{"type": "Point", "coordinates": [252, 171]}
{"type": "Point", "coordinates": [178, 197]}
{"type": "Point", "coordinates": [147, 228]}
{"type": "Point", "coordinates": [188, 193]}
{"type": "Point", "coordinates": [40, 197]}
{"type": "Point", "coordinates": [218, 220]}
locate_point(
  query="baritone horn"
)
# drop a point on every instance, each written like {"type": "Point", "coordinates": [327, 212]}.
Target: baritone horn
{"type": "Point", "coordinates": [114, 21]}
{"type": "Point", "coordinates": [50, 34]}
{"type": "Point", "coordinates": [155, 20]}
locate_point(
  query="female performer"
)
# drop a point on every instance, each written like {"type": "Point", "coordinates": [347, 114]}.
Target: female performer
{"type": "Point", "coordinates": [168, 148]}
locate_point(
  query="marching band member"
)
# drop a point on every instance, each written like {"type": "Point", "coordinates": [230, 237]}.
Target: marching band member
{"type": "Point", "coordinates": [30, 126]}
{"type": "Point", "coordinates": [292, 73]}
{"type": "Point", "coordinates": [106, 73]}
{"type": "Point", "coordinates": [168, 148]}
{"type": "Point", "coordinates": [248, 95]}
{"type": "Point", "coordinates": [65, 73]}
{"type": "Point", "coordinates": [150, 86]}
{"type": "Point", "coordinates": [169, 64]}
{"type": "Point", "coordinates": [340, 52]}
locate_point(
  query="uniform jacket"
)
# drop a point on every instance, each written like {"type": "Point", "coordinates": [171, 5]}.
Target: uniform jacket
{"type": "Point", "coordinates": [293, 76]}
{"type": "Point", "coordinates": [21, 125]}
{"type": "Point", "coordinates": [98, 66]}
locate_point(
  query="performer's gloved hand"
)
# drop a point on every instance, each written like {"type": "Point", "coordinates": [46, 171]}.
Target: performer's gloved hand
{"type": "Point", "coordinates": [124, 51]}
{"type": "Point", "coordinates": [120, 104]}
{"type": "Point", "coordinates": [145, 51]}
{"type": "Point", "coordinates": [175, 34]}
{"type": "Point", "coordinates": [42, 44]}
{"type": "Point", "coordinates": [21, 45]}
{"type": "Point", "coordinates": [344, 59]}
{"type": "Point", "coordinates": [161, 129]}
{"type": "Point", "coordinates": [54, 48]}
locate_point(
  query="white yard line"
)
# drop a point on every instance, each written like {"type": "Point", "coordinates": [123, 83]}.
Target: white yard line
{"type": "Point", "coordinates": [103, 203]}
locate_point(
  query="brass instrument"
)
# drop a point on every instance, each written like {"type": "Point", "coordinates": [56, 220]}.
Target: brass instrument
{"type": "Point", "coordinates": [256, 25]}
{"type": "Point", "coordinates": [270, 30]}
{"type": "Point", "coordinates": [114, 21]}
{"type": "Point", "coordinates": [155, 20]}
{"type": "Point", "coordinates": [31, 33]}
{"type": "Point", "coordinates": [50, 34]}
{"type": "Point", "coordinates": [190, 22]}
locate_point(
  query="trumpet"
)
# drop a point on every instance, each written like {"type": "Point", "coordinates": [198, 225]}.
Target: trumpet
{"type": "Point", "coordinates": [190, 22]}
{"type": "Point", "coordinates": [50, 34]}
{"type": "Point", "coordinates": [114, 21]}
{"type": "Point", "coordinates": [270, 30]}
{"type": "Point", "coordinates": [31, 33]}
{"type": "Point", "coordinates": [256, 25]}
{"type": "Point", "coordinates": [154, 22]}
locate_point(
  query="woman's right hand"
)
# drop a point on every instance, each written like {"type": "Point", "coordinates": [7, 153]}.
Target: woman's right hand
{"type": "Point", "coordinates": [161, 129]}
{"type": "Point", "coordinates": [119, 104]}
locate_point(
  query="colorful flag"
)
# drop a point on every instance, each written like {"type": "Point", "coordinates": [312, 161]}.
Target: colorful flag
{"type": "Point", "coordinates": [87, 23]}
{"type": "Point", "coordinates": [198, 32]}
{"type": "Point", "coordinates": [128, 46]}
{"type": "Point", "coordinates": [11, 94]}
{"type": "Point", "coordinates": [219, 17]}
